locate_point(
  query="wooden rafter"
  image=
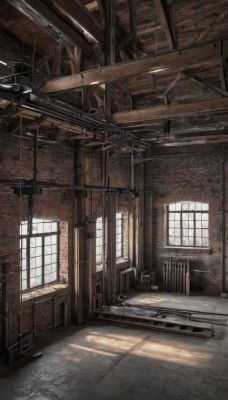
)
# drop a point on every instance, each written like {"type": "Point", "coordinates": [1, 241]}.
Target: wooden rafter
{"type": "Point", "coordinates": [156, 64]}
{"type": "Point", "coordinates": [81, 18]}
{"type": "Point", "coordinates": [51, 22]}
{"type": "Point", "coordinates": [210, 27]}
{"type": "Point", "coordinates": [166, 21]}
{"type": "Point", "coordinates": [199, 107]}
{"type": "Point", "coordinates": [205, 83]}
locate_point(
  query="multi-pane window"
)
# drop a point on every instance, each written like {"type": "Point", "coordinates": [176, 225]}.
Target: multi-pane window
{"type": "Point", "coordinates": [39, 253]}
{"type": "Point", "coordinates": [187, 224]}
{"type": "Point", "coordinates": [99, 240]}
{"type": "Point", "coordinates": [119, 235]}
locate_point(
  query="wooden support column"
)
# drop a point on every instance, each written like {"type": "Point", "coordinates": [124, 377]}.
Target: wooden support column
{"type": "Point", "coordinates": [133, 25]}
{"type": "Point", "coordinates": [56, 59]}
{"type": "Point", "coordinates": [110, 54]}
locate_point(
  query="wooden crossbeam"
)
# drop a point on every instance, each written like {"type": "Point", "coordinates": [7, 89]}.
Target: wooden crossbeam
{"type": "Point", "coordinates": [173, 110]}
{"type": "Point", "coordinates": [166, 21]}
{"type": "Point", "coordinates": [155, 64]}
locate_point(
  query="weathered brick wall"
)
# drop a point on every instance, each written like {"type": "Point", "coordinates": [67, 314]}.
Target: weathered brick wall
{"type": "Point", "coordinates": [195, 176]}
{"type": "Point", "coordinates": [54, 164]}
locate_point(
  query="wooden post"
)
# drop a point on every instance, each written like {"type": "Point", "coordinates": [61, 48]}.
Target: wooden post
{"type": "Point", "coordinates": [110, 54]}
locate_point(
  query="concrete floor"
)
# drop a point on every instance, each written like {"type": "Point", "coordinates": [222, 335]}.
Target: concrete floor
{"type": "Point", "coordinates": [100, 361]}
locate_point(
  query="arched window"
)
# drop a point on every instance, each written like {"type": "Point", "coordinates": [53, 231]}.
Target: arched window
{"type": "Point", "coordinates": [187, 224]}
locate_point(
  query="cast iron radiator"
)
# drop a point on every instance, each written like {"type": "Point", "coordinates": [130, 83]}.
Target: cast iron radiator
{"type": "Point", "coordinates": [176, 275]}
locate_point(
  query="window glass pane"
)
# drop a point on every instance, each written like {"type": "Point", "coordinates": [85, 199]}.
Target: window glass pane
{"type": "Point", "coordinates": [172, 207]}
{"type": "Point", "coordinates": [198, 206]}
{"type": "Point", "coordinates": [24, 229]}
{"type": "Point", "coordinates": [32, 242]}
{"type": "Point", "coordinates": [205, 206]}
{"type": "Point", "coordinates": [38, 241]}
{"type": "Point", "coordinates": [47, 259]}
{"type": "Point", "coordinates": [34, 228]}
{"type": "Point", "coordinates": [184, 206]}
{"type": "Point", "coordinates": [178, 206]}
{"type": "Point", "coordinates": [54, 226]}
{"type": "Point", "coordinates": [47, 227]}
{"type": "Point", "coordinates": [24, 285]}
{"type": "Point", "coordinates": [171, 240]}
{"type": "Point", "coordinates": [38, 251]}
{"type": "Point", "coordinates": [47, 240]}
{"type": "Point", "coordinates": [32, 262]}
{"type": "Point", "coordinates": [171, 216]}
{"type": "Point", "coordinates": [38, 261]}
{"type": "Point", "coordinates": [204, 217]}
{"type": "Point", "coordinates": [38, 281]}
{"type": "Point", "coordinates": [185, 241]}
{"type": "Point", "coordinates": [204, 224]}
{"type": "Point", "coordinates": [40, 227]}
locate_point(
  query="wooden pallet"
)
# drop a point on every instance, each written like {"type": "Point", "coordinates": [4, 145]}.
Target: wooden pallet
{"type": "Point", "coordinates": [185, 327]}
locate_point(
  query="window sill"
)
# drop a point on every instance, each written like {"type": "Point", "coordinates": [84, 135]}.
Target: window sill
{"type": "Point", "coordinates": [42, 291]}
{"type": "Point", "coordinates": [205, 249]}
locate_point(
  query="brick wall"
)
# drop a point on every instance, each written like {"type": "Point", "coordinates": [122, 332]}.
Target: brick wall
{"type": "Point", "coordinates": [195, 177]}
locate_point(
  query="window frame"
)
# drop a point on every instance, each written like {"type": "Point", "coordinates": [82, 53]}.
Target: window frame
{"type": "Point", "coordinates": [101, 244]}
{"type": "Point", "coordinates": [28, 257]}
{"type": "Point", "coordinates": [182, 228]}
{"type": "Point", "coordinates": [119, 217]}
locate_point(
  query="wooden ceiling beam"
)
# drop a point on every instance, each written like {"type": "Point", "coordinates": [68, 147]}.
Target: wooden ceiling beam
{"type": "Point", "coordinates": [81, 18]}
{"type": "Point", "coordinates": [199, 56]}
{"type": "Point", "coordinates": [174, 110]}
{"type": "Point", "coordinates": [51, 22]}
{"type": "Point", "coordinates": [166, 21]}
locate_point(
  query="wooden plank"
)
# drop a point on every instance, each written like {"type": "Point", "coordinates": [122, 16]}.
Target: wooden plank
{"type": "Point", "coordinates": [156, 64]}
{"type": "Point", "coordinates": [48, 20]}
{"type": "Point", "coordinates": [166, 21]}
{"type": "Point", "coordinates": [81, 18]}
{"type": "Point", "coordinates": [172, 110]}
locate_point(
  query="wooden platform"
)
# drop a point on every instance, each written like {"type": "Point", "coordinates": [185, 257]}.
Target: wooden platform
{"type": "Point", "coordinates": [161, 324]}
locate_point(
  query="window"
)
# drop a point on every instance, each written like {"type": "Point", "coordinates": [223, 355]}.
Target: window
{"type": "Point", "coordinates": [187, 224]}
{"type": "Point", "coordinates": [99, 240]}
{"type": "Point", "coordinates": [119, 235]}
{"type": "Point", "coordinates": [39, 253]}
